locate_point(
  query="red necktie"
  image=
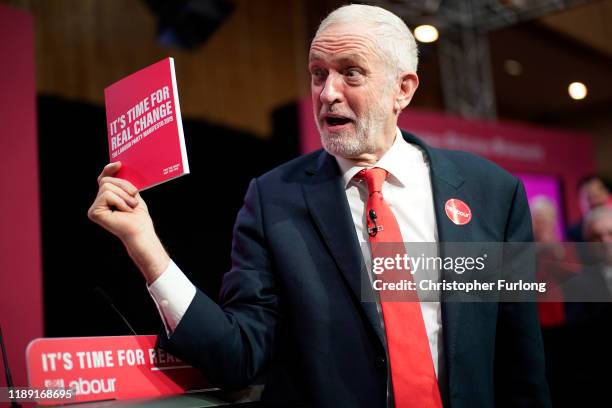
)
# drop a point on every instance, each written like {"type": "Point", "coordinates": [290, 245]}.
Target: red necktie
{"type": "Point", "coordinates": [412, 370]}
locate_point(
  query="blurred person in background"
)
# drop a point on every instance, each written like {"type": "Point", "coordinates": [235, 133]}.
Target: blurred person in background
{"type": "Point", "coordinates": [555, 261]}
{"type": "Point", "coordinates": [593, 192]}
{"type": "Point", "coordinates": [590, 292]}
{"type": "Point", "coordinates": [588, 351]}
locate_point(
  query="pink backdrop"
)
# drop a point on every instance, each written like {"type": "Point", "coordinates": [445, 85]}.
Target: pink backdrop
{"type": "Point", "coordinates": [548, 186]}
{"type": "Point", "coordinates": [519, 148]}
{"type": "Point", "coordinates": [20, 255]}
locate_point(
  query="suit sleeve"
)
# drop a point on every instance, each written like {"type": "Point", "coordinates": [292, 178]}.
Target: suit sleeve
{"type": "Point", "coordinates": [519, 358]}
{"type": "Point", "coordinates": [231, 342]}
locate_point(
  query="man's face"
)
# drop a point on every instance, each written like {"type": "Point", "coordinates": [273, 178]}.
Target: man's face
{"type": "Point", "coordinates": [544, 224]}
{"type": "Point", "coordinates": [592, 195]}
{"type": "Point", "coordinates": [352, 91]}
{"type": "Point", "coordinates": [600, 231]}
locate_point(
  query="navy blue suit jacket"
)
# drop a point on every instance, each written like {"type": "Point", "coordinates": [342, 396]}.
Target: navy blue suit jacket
{"type": "Point", "coordinates": [290, 305]}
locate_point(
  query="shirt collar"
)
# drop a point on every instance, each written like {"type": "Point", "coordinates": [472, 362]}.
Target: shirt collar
{"type": "Point", "coordinates": [398, 160]}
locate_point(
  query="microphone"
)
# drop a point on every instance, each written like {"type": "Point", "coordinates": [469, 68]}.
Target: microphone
{"type": "Point", "coordinates": [372, 231]}
{"type": "Point", "coordinates": [7, 370]}
{"type": "Point", "coordinates": [109, 300]}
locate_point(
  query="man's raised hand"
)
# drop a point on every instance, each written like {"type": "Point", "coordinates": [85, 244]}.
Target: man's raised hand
{"type": "Point", "coordinates": [120, 209]}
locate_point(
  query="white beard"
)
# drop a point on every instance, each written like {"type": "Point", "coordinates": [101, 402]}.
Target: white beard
{"type": "Point", "coordinates": [362, 140]}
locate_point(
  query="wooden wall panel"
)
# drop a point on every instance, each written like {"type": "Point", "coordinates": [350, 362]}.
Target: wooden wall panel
{"type": "Point", "coordinates": [588, 24]}
{"type": "Point", "coordinates": [255, 62]}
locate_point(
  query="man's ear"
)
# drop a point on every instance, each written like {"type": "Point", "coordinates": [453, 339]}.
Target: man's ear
{"type": "Point", "coordinates": [409, 82]}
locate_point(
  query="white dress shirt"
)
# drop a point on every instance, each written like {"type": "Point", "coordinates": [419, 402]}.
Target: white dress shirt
{"type": "Point", "coordinates": [172, 293]}
{"type": "Point", "coordinates": [407, 191]}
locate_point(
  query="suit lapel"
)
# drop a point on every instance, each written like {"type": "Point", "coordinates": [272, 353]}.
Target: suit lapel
{"type": "Point", "coordinates": [326, 200]}
{"type": "Point", "coordinates": [447, 182]}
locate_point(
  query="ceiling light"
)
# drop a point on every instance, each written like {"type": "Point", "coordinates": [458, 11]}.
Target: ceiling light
{"type": "Point", "coordinates": [513, 67]}
{"type": "Point", "coordinates": [577, 90]}
{"type": "Point", "coordinates": [426, 33]}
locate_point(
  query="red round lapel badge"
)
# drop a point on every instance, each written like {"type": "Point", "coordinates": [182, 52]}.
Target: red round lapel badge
{"type": "Point", "coordinates": [458, 211]}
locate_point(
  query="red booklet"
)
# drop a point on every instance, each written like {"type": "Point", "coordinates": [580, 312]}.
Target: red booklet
{"type": "Point", "coordinates": [145, 131]}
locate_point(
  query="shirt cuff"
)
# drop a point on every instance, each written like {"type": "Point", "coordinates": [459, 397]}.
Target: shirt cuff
{"type": "Point", "coordinates": [172, 293]}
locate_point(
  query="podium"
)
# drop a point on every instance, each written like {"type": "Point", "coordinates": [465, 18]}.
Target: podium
{"type": "Point", "coordinates": [122, 371]}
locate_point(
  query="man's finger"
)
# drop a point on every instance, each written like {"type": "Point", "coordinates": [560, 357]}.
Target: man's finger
{"type": "Point", "coordinates": [121, 183]}
{"type": "Point", "coordinates": [113, 200]}
{"type": "Point", "coordinates": [109, 170]}
{"type": "Point", "coordinates": [109, 186]}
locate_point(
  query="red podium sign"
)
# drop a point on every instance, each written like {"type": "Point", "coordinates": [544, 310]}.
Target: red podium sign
{"type": "Point", "coordinates": [101, 368]}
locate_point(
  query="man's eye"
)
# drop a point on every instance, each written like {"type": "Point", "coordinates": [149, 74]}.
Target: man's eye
{"type": "Point", "coordinates": [317, 73]}
{"type": "Point", "coordinates": [352, 72]}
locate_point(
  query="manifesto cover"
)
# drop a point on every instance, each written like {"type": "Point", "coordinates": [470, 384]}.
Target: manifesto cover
{"type": "Point", "coordinates": [145, 131]}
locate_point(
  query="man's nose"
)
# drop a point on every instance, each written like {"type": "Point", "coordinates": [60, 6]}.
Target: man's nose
{"type": "Point", "coordinates": [332, 90]}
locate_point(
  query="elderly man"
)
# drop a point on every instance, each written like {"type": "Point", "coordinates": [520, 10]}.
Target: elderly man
{"type": "Point", "coordinates": [593, 192]}
{"type": "Point", "coordinates": [589, 317]}
{"type": "Point", "coordinates": [595, 282]}
{"type": "Point", "coordinates": [291, 304]}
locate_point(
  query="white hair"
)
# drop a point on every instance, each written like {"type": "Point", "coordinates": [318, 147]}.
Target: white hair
{"type": "Point", "coordinates": [592, 217]}
{"type": "Point", "coordinates": [542, 203]}
{"type": "Point", "coordinates": [391, 35]}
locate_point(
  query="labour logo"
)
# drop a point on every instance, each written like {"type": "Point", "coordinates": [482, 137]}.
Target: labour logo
{"type": "Point", "coordinates": [458, 211]}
